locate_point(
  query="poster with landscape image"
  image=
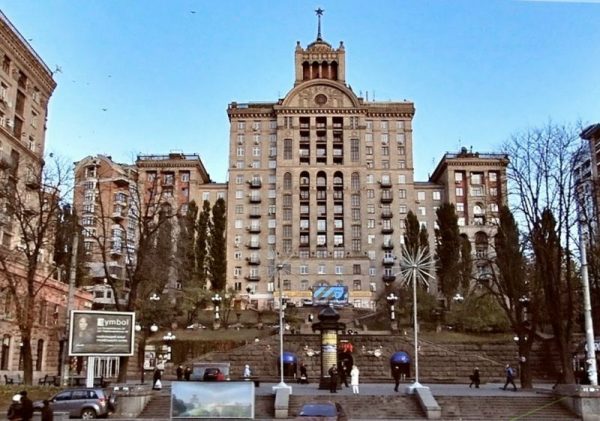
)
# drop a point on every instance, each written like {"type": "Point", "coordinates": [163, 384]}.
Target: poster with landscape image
{"type": "Point", "coordinates": [212, 400]}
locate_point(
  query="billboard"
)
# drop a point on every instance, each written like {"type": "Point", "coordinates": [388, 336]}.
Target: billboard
{"type": "Point", "coordinates": [325, 294]}
{"type": "Point", "coordinates": [212, 400]}
{"type": "Point", "coordinates": [101, 333]}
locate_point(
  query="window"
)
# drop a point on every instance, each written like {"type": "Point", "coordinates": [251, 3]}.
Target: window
{"type": "Point", "coordinates": [321, 269]}
{"type": "Point", "coordinates": [477, 191]}
{"type": "Point", "coordinates": [369, 150]}
{"type": "Point", "coordinates": [256, 151]}
{"type": "Point", "coordinates": [420, 195]}
{"type": "Point", "coordinates": [370, 193]}
{"type": "Point", "coordinates": [370, 223]}
{"type": "Point", "coordinates": [385, 151]}
{"type": "Point", "coordinates": [241, 125]}
{"type": "Point", "coordinates": [460, 207]}
{"type": "Point", "coordinates": [354, 150]}
{"type": "Point", "coordinates": [458, 177]}
{"type": "Point", "coordinates": [369, 125]}
{"type": "Point", "coordinates": [436, 195]}
{"type": "Point", "coordinates": [239, 194]}
{"type": "Point", "coordinates": [459, 191]}
{"type": "Point", "coordinates": [493, 176]}
{"type": "Point", "coordinates": [422, 211]}
{"type": "Point", "coordinates": [402, 193]}
{"type": "Point", "coordinates": [256, 125]}
{"type": "Point", "coordinates": [400, 125]}
{"type": "Point", "coordinates": [402, 209]}
{"type": "Point", "coordinates": [339, 270]}
{"type": "Point", "coordinates": [494, 207]}
{"type": "Point", "coordinates": [401, 164]}
{"type": "Point", "coordinates": [287, 149]}
{"type": "Point", "coordinates": [476, 178]}
{"type": "Point", "coordinates": [370, 209]}
{"type": "Point", "coordinates": [401, 179]}
{"type": "Point", "coordinates": [461, 222]}
{"type": "Point", "coordinates": [493, 191]}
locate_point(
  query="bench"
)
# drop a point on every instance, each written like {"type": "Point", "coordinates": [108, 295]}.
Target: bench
{"type": "Point", "coordinates": [8, 380]}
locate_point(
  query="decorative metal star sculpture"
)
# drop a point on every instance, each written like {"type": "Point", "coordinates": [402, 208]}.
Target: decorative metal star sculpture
{"type": "Point", "coordinates": [417, 266]}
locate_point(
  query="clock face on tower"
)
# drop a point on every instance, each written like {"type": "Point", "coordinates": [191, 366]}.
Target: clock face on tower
{"type": "Point", "coordinates": [321, 99]}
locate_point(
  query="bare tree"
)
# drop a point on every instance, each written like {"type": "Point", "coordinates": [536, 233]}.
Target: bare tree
{"type": "Point", "coordinates": [32, 200]}
{"type": "Point", "coordinates": [542, 187]}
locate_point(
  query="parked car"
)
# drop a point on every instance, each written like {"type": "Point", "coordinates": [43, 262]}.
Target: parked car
{"type": "Point", "coordinates": [307, 302]}
{"type": "Point", "coordinates": [86, 403]}
{"type": "Point", "coordinates": [322, 411]}
{"type": "Point", "coordinates": [213, 374]}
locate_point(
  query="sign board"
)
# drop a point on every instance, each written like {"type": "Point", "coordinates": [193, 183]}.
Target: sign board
{"type": "Point", "coordinates": [212, 400]}
{"type": "Point", "coordinates": [101, 333]}
{"type": "Point", "coordinates": [337, 294]}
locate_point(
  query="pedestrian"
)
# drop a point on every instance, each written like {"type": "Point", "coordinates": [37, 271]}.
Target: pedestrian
{"type": "Point", "coordinates": [187, 373]}
{"type": "Point", "coordinates": [475, 380]}
{"type": "Point", "coordinates": [333, 377]}
{"type": "Point", "coordinates": [27, 407]}
{"type": "Point", "coordinates": [303, 374]}
{"type": "Point", "coordinates": [156, 382]}
{"type": "Point", "coordinates": [47, 413]}
{"type": "Point", "coordinates": [247, 372]}
{"type": "Point", "coordinates": [15, 410]}
{"type": "Point", "coordinates": [179, 372]}
{"type": "Point", "coordinates": [510, 377]}
{"type": "Point", "coordinates": [354, 379]}
{"type": "Point", "coordinates": [396, 373]}
{"type": "Point", "coordinates": [343, 375]}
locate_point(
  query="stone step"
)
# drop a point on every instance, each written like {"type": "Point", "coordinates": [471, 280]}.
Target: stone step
{"type": "Point", "coordinates": [503, 408]}
{"type": "Point", "coordinates": [159, 406]}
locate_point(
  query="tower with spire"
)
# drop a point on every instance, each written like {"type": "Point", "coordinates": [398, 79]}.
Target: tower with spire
{"type": "Point", "coordinates": [319, 60]}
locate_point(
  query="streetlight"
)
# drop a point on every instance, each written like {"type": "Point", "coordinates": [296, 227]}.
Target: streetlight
{"type": "Point", "coordinates": [216, 300]}
{"type": "Point", "coordinates": [392, 299]}
{"type": "Point", "coordinates": [281, 384]}
{"type": "Point", "coordinates": [168, 338]}
{"type": "Point", "coordinates": [415, 267]}
{"type": "Point", "coordinates": [153, 328]}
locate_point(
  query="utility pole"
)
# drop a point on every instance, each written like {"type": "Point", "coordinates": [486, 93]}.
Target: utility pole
{"type": "Point", "coordinates": [70, 305]}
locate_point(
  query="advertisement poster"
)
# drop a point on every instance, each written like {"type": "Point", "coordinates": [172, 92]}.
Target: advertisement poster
{"type": "Point", "coordinates": [101, 333]}
{"type": "Point", "coordinates": [212, 400]}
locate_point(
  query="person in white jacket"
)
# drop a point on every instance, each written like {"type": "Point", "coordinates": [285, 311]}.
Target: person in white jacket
{"type": "Point", "coordinates": [354, 379]}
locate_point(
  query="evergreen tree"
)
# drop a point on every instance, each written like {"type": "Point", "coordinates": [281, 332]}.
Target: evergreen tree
{"type": "Point", "coordinates": [412, 238]}
{"type": "Point", "coordinates": [447, 250]}
{"type": "Point", "coordinates": [204, 229]}
{"type": "Point", "coordinates": [466, 263]}
{"type": "Point", "coordinates": [217, 259]}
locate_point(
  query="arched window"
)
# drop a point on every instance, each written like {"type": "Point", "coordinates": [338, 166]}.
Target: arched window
{"type": "Point", "coordinates": [304, 179]}
{"type": "Point", "coordinates": [481, 245]}
{"type": "Point", "coordinates": [355, 181]}
{"type": "Point", "coordinates": [287, 181]}
{"type": "Point", "coordinates": [321, 179]}
{"type": "Point", "coordinates": [338, 179]}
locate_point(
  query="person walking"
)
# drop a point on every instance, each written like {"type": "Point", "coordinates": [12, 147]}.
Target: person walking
{"type": "Point", "coordinates": [510, 377]}
{"type": "Point", "coordinates": [343, 375]}
{"type": "Point", "coordinates": [303, 374]}
{"type": "Point", "coordinates": [27, 407]}
{"type": "Point", "coordinates": [156, 379]}
{"type": "Point", "coordinates": [354, 373]}
{"type": "Point", "coordinates": [396, 373]}
{"type": "Point", "coordinates": [47, 413]}
{"type": "Point", "coordinates": [333, 377]}
{"type": "Point", "coordinates": [179, 372]}
{"type": "Point", "coordinates": [187, 373]}
{"type": "Point", "coordinates": [475, 380]}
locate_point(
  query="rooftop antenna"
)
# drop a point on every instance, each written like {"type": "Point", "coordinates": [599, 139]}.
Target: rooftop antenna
{"type": "Point", "coordinates": [319, 13]}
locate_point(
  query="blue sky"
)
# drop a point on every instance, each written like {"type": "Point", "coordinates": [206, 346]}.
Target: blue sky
{"type": "Point", "coordinates": [155, 76]}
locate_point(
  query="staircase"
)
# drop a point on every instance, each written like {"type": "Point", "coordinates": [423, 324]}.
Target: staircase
{"type": "Point", "coordinates": [503, 408]}
{"type": "Point", "coordinates": [159, 406]}
{"type": "Point", "coordinates": [366, 406]}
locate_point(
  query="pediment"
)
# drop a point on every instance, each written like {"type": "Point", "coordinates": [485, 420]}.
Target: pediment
{"type": "Point", "coordinates": [321, 94]}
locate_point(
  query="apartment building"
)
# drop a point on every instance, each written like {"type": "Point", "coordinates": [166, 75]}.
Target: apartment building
{"type": "Point", "coordinates": [26, 86]}
{"type": "Point", "coordinates": [320, 183]}
{"type": "Point", "coordinates": [585, 173]}
{"type": "Point", "coordinates": [110, 196]}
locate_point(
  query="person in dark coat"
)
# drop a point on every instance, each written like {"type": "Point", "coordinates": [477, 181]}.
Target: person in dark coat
{"type": "Point", "coordinates": [47, 413]}
{"type": "Point", "coordinates": [333, 377]}
{"type": "Point", "coordinates": [343, 375]}
{"type": "Point", "coordinates": [510, 377]}
{"type": "Point", "coordinates": [187, 373]}
{"type": "Point", "coordinates": [396, 374]}
{"type": "Point", "coordinates": [15, 410]}
{"type": "Point", "coordinates": [179, 372]}
{"type": "Point", "coordinates": [303, 374]}
{"type": "Point", "coordinates": [27, 407]}
{"type": "Point", "coordinates": [156, 379]}
{"type": "Point", "coordinates": [475, 380]}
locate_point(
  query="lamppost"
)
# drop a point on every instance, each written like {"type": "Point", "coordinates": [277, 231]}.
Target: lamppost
{"type": "Point", "coordinates": [216, 300]}
{"type": "Point", "coordinates": [153, 328]}
{"type": "Point", "coordinates": [414, 267]}
{"type": "Point", "coordinates": [168, 339]}
{"type": "Point", "coordinates": [281, 384]}
{"type": "Point", "coordinates": [391, 300]}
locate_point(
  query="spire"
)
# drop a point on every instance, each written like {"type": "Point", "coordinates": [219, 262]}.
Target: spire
{"type": "Point", "coordinates": [319, 13]}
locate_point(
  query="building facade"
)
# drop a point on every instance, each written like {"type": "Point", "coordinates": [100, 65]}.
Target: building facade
{"type": "Point", "coordinates": [26, 85]}
{"type": "Point", "coordinates": [320, 183]}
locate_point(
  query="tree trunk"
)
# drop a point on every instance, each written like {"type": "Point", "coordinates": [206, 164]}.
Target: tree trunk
{"type": "Point", "coordinates": [27, 361]}
{"type": "Point", "coordinates": [525, 374]}
{"type": "Point", "coordinates": [123, 365]}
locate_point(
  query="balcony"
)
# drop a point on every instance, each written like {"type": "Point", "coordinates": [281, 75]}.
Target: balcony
{"type": "Point", "coordinates": [121, 181]}
{"type": "Point", "coordinates": [253, 260]}
{"type": "Point", "coordinates": [388, 278]}
{"type": "Point", "coordinates": [386, 214]}
{"type": "Point", "coordinates": [253, 278]}
{"type": "Point", "coordinates": [254, 198]}
{"type": "Point", "coordinates": [115, 250]}
{"type": "Point", "coordinates": [386, 196]}
{"type": "Point", "coordinates": [255, 229]}
{"type": "Point", "coordinates": [118, 216]}
{"type": "Point", "coordinates": [32, 182]}
{"type": "Point", "coordinates": [386, 184]}
{"type": "Point", "coordinates": [253, 245]}
{"type": "Point", "coordinates": [388, 260]}
{"type": "Point", "coordinates": [254, 214]}
{"type": "Point", "coordinates": [387, 245]}
{"type": "Point", "coordinates": [387, 230]}
{"type": "Point", "coordinates": [255, 183]}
